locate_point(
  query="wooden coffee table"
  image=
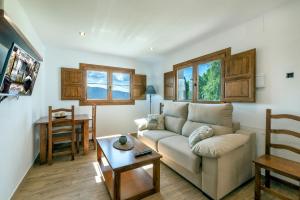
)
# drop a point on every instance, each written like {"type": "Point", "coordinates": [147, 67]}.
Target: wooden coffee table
{"type": "Point", "coordinates": [123, 174]}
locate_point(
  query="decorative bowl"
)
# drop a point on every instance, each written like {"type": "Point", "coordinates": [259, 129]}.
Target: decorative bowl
{"type": "Point", "coordinates": [123, 139]}
{"type": "Point", "coordinates": [60, 115]}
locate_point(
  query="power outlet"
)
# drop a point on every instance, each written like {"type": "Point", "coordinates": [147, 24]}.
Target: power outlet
{"type": "Point", "coordinates": [290, 75]}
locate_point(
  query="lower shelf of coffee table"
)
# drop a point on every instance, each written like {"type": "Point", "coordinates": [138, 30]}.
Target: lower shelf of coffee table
{"type": "Point", "coordinates": [135, 184]}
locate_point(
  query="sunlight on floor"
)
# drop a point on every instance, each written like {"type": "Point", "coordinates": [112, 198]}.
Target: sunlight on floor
{"type": "Point", "coordinates": [98, 178]}
{"type": "Point", "coordinates": [104, 162]}
{"type": "Point", "coordinates": [146, 167]}
{"type": "Point", "coordinates": [109, 136]}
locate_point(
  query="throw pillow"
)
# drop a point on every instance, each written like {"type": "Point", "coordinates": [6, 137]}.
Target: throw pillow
{"type": "Point", "coordinates": [155, 122]}
{"type": "Point", "coordinates": [199, 134]}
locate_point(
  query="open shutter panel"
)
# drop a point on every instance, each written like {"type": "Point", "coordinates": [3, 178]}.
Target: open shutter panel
{"type": "Point", "coordinates": [169, 86]}
{"type": "Point", "coordinates": [139, 87]}
{"type": "Point", "coordinates": [72, 84]}
{"type": "Point", "coordinates": [240, 77]}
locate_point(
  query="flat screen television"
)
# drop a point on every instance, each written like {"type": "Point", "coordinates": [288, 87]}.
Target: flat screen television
{"type": "Point", "coordinates": [19, 72]}
{"type": "Point", "coordinates": [3, 54]}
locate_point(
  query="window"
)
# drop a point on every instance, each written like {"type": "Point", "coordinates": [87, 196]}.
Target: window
{"type": "Point", "coordinates": [120, 86]}
{"type": "Point", "coordinates": [97, 85]}
{"type": "Point", "coordinates": [185, 84]}
{"type": "Point", "coordinates": [209, 81]}
{"type": "Point", "coordinates": [107, 85]}
{"type": "Point", "coordinates": [201, 79]}
{"type": "Point", "coordinates": [213, 78]}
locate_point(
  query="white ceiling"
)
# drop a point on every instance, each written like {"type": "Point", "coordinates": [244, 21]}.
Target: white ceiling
{"type": "Point", "coordinates": [130, 27]}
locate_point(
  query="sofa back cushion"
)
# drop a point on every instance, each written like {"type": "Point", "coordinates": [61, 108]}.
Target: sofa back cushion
{"type": "Point", "coordinates": [174, 124]}
{"type": "Point", "coordinates": [190, 126]}
{"type": "Point", "coordinates": [216, 114]}
{"type": "Point", "coordinates": [176, 109]}
{"type": "Point", "coordinates": [175, 116]}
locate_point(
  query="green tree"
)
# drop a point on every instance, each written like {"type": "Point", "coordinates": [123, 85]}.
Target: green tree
{"type": "Point", "coordinates": [187, 88]}
{"type": "Point", "coordinates": [210, 83]}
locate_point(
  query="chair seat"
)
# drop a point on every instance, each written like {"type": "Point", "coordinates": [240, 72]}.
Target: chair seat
{"type": "Point", "coordinates": [280, 165]}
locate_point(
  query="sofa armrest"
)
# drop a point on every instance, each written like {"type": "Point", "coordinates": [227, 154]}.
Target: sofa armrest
{"type": "Point", "coordinates": [252, 144]}
{"type": "Point", "coordinates": [141, 123]}
{"type": "Point", "coordinates": [221, 175]}
{"type": "Point", "coordinates": [236, 126]}
{"type": "Point", "coordinates": [217, 146]}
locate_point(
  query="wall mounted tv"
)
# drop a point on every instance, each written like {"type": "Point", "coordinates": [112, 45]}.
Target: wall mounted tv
{"type": "Point", "coordinates": [19, 72]}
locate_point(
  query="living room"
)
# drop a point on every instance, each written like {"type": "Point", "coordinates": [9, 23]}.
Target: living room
{"type": "Point", "coordinates": [148, 40]}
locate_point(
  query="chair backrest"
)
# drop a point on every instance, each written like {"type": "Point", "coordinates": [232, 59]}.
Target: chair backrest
{"type": "Point", "coordinates": [94, 113]}
{"type": "Point", "coordinates": [269, 131]}
{"type": "Point", "coordinates": [61, 125]}
{"type": "Point", "coordinates": [161, 108]}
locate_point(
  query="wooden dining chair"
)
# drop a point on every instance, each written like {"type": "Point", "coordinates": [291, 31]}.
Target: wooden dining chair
{"type": "Point", "coordinates": [61, 130]}
{"type": "Point", "coordinates": [92, 130]}
{"type": "Point", "coordinates": [271, 163]}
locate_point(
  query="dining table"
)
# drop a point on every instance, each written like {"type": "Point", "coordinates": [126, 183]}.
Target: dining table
{"type": "Point", "coordinates": [42, 123]}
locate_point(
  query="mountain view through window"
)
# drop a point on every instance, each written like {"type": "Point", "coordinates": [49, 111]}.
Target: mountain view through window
{"type": "Point", "coordinates": [97, 85]}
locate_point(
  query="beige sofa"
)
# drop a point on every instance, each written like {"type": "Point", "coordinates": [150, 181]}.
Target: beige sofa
{"type": "Point", "coordinates": [226, 162]}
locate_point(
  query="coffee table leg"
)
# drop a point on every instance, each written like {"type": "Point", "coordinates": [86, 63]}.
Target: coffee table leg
{"type": "Point", "coordinates": [117, 183]}
{"type": "Point", "coordinates": [156, 175]}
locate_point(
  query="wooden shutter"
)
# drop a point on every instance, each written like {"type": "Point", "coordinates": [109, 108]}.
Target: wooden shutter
{"type": "Point", "coordinates": [239, 80]}
{"type": "Point", "coordinates": [72, 84]}
{"type": "Point", "coordinates": [139, 87]}
{"type": "Point", "coordinates": [169, 86]}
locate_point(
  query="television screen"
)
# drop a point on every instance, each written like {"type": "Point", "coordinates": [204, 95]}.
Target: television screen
{"type": "Point", "coordinates": [20, 72]}
{"type": "Point", "coordinates": [3, 54]}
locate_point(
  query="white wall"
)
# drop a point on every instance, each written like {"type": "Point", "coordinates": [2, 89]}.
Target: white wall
{"type": "Point", "coordinates": [276, 37]}
{"type": "Point", "coordinates": [110, 119]}
{"type": "Point", "coordinates": [19, 142]}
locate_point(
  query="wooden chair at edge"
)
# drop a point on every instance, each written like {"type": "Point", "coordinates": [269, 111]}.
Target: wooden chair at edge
{"type": "Point", "coordinates": [92, 129]}
{"type": "Point", "coordinates": [276, 164]}
{"type": "Point", "coordinates": [61, 131]}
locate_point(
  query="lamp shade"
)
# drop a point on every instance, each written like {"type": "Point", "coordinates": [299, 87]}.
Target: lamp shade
{"type": "Point", "coordinates": [150, 89]}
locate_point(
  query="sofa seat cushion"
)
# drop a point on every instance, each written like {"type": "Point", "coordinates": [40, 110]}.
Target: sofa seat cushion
{"type": "Point", "coordinates": [151, 137]}
{"type": "Point", "coordinates": [176, 148]}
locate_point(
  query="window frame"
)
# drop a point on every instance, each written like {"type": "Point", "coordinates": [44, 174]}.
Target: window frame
{"type": "Point", "coordinates": [110, 70]}
{"type": "Point", "coordinates": [223, 55]}
{"type": "Point", "coordinates": [176, 82]}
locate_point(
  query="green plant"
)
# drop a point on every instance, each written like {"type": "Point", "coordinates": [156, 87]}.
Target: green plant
{"type": "Point", "coordinates": [210, 83]}
{"type": "Point", "coordinates": [187, 88]}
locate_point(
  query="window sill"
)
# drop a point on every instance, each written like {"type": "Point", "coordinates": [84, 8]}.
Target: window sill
{"type": "Point", "coordinates": [106, 103]}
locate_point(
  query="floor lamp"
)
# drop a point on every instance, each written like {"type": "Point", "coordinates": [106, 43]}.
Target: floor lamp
{"type": "Point", "coordinates": [150, 90]}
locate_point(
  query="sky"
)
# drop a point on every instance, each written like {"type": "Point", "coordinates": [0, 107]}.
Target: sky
{"type": "Point", "coordinates": [121, 81]}
{"type": "Point", "coordinates": [98, 77]}
{"type": "Point", "coordinates": [202, 69]}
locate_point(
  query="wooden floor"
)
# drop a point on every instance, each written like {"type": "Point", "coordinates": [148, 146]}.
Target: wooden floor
{"type": "Point", "coordinates": [80, 179]}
